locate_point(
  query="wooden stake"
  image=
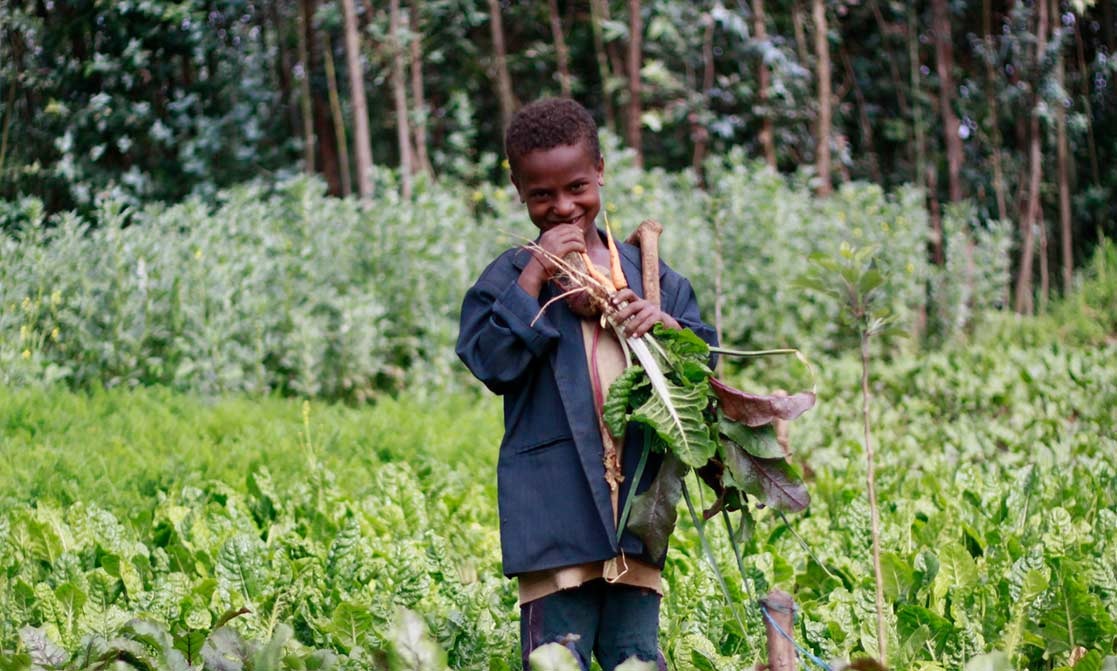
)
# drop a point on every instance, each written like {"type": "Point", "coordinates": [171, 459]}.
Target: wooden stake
{"type": "Point", "coordinates": [781, 649]}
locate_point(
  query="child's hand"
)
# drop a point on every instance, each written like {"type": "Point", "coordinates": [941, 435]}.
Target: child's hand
{"type": "Point", "coordinates": [559, 241]}
{"type": "Point", "coordinates": [638, 316]}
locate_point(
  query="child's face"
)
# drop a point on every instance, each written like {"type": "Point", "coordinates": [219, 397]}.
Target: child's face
{"type": "Point", "coordinates": [561, 186]}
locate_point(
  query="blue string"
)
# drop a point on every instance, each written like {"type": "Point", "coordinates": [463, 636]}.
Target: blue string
{"type": "Point", "coordinates": [803, 652]}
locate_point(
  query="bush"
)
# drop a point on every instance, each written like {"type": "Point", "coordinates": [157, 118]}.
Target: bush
{"type": "Point", "coordinates": [279, 288]}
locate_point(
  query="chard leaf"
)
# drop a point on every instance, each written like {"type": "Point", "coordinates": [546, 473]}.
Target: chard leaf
{"type": "Point", "coordinates": [615, 411]}
{"type": "Point", "coordinates": [634, 663]}
{"type": "Point", "coordinates": [412, 647]}
{"type": "Point", "coordinates": [756, 410]}
{"type": "Point", "coordinates": [911, 618]}
{"type": "Point", "coordinates": [773, 482]}
{"type": "Point", "coordinates": [654, 510]}
{"type": "Point", "coordinates": [226, 650]}
{"type": "Point", "coordinates": [1075, 617]}
{"type": "Point", "coordinates": [990, 661]}
{"type": "Point", "coordinates": [680, 424]}
{"type": "Point", "coordinates": [44, 652]}
{"type": "Point", "coordinates": [270, 655]}
{"type": "Point", "coordinates": [553, 657]}
{"type": "Point", "coordinates": [684, 343]}
{"type": "Point", "coordinates": [759, 441]}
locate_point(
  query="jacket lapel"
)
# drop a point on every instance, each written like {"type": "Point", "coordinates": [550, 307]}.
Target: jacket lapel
{"type": "Point", "coordinates": [568, 360]}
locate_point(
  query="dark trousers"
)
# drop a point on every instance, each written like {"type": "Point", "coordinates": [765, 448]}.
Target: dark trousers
{"type": "Point", "coordinates": [610, 621]}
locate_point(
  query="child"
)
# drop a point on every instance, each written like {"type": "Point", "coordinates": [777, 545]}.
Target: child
{"type": "Point", "coordinates": [560, 476]}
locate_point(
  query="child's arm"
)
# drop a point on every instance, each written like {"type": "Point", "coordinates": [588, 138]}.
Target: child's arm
{"type": "Point", "coordinates": [502, 332]}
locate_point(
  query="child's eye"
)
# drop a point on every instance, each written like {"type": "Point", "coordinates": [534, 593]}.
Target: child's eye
{"type": "Point", "coordinates": [579, 187]}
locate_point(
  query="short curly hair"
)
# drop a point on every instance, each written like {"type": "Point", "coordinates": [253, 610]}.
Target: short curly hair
{"type": "Point", "coordinates": [548, 123]}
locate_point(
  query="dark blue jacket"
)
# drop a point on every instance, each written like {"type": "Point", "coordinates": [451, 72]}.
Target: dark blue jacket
{"type": "Point", "coordinates": [554, 503]}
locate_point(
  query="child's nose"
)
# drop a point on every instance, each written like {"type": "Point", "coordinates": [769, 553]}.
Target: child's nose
{"type": "Point", "coordinates": [564, 205]}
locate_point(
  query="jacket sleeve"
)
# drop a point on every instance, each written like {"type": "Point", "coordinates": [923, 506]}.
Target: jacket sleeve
{"type": "Point", "coordinates": [681, 303]}
{"type": "Point", "coordinates": [497, 340]}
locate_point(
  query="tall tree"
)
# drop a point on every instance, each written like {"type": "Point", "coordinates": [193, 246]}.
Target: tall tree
{"type": "Point", "coordinates": [767, 133]}
{"type": "Point", "coordinates": [560, 48]}
{"type": "Point", "coordinates": [699, 132]}
{"type": "Point", "coordinates": [305, 104]}
{"type": "Point", "coordinates": [635, 62]}
{"type": "Point", "coordinates": [599, 12]}
{"type": "Point", "coordinates": [825, 103]}
{"type": "Point", "coordinates": [1065, 238]}
{"type": "Point", "coordinates": [361, 136]}
{"type": "Point", "coordinates": [418, 96]}
{"type": "Point", "coordinates": [338, 117]}
{"type": "Point", "coordinates": [944, 65]}
{"type": "Point", "coordinates": [500, 65]}
{"type": "Point", "coordinates": [1033, 215]}
{"type": "Point", "coordinates": [324, 131]}
{"type": "Point", "coordinates": [994, 124]}
{"type": "Point", "coordinates": [399, 97]}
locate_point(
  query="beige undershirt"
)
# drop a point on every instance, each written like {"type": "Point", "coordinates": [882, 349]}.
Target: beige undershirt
{"type": "Point", "coordinates": [610, 364]}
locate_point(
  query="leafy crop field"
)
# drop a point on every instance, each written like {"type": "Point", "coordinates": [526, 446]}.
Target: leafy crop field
{"type": "Point", "coordinates": [320, 525]}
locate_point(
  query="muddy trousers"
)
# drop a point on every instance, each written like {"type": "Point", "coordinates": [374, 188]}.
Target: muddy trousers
{"type": "Point", "coordinates": [610, 621]}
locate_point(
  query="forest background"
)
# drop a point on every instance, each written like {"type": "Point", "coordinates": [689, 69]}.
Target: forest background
{"type": "Point", "coordinates": [1005, 104]}
{"type": "Point", "coordinates": [234, 238]}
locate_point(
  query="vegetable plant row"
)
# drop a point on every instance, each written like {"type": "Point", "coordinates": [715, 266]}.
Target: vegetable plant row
{"type": "Point", "coordinates": [165, 530]}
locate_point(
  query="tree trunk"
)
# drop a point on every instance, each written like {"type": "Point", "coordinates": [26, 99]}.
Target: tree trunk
{"type": "Point", "coordinates": [338, 117]}
{"type": "Point", "coordinates": [1091, 144]}
{"type": "Point", "coordinates": [887, 29]}
{"type": "Point", "coordinates": [601, 53]}
{"type": "Point", "coordinates": [635, 33]}
{"type": "Point", "coordinates": [1065, 241]}
{"type": "Point", "coordinates": [916, 106]}
{"type": "Point", "coordinates": [399, 97]}
{"type": "Point", "coordinates": [360, 108]}
{"type": "Point", "coordinates": [797, 21]}
{"type": "Point", "coordinates": [284, 66]}
{"type": "Point", "coordinates": [868, 147]}
{"type": "Point", "coordinates": [944, 64]}
{"type": "Point", "coordinates": [418, 97]}
{"type": "Point", "coordinates": [822, 55]}
{"type": "Point", "coordinates": [1044, 274]}
{"type": "Point", "coordinates": [304, 88]}
{"type": "Point", "coordinates": [500, 64]}
{"type": "Point", "coordinates": [560, 48]}
{"type": "Point", "coordinates": [1107, 25]}
{"type": "Point", "coordinates": [698, 131]}
{"type": "Point", "coordinates": [767, 133]}
{"type": "Point", "coordinates": [995, 119]}
{"type": "Point", "coordinates": [1033, 214]}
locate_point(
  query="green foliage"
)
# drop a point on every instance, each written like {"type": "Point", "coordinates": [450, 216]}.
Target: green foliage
{"type": "Point", "coordinates": [286, 290]}
{"type": "Point", "coordinates": [998, 487]}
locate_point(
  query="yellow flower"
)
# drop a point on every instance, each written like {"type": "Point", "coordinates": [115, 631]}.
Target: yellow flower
{"type": "Point", "coordinates": [54, 333]}
{"type": "Point", "coordinates": [910, 268]}
{"type": "Point", "coordinates": [26, 354]}
{"type": "Point", "coordinates": [610, 207]}
{"type": "Point", "coordinates": [198, 254]}
{"type": "Point", "coordinates": [505, 164]}
{"type": "Point", "coordinates": [478, 196]}
{"type": "Point", "coordinates": [501, 195]}
{"type": "Point", "coordinates": [55, 297]}
{"type": "Point", "coordinates": [857, 232]}
{"type": "Point", "coordinates": [24, 332]}
{"type": "Point", "coordinates": [26, 304]}
{"type": "Point", "coordinates": [885, 227]}
{"type": "Point", "coordinates": [637, 190]}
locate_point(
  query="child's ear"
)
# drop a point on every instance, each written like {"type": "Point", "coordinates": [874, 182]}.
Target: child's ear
{"type": "Point", "coordinates": [516, 183]}
{"type": "Point", "coordinates": [601, 171]}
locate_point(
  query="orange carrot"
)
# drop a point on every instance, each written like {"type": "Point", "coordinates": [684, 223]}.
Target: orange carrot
{"type": "Point", "coordinates": [615, 270]}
